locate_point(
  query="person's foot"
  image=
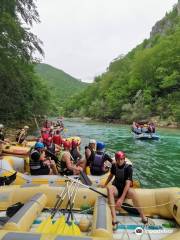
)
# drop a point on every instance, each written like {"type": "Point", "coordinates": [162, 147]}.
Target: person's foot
{"type": "Point", "coordinates": [115, 225]}
{"type": "Point", "coordinates": [147, 221]}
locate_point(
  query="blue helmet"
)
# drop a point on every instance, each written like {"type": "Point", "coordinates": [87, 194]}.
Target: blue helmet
{"type": "Point", "coordinates": [100, 146]}
{"type": "Point", "coordinates": [39, 145]}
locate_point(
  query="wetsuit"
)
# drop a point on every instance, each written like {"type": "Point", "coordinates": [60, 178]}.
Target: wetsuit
{"type": "Point", "coordinates": [121, 173]}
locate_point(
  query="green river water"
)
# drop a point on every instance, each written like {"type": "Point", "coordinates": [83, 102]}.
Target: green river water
{"type": "Point", "coordinates": [156, 163]}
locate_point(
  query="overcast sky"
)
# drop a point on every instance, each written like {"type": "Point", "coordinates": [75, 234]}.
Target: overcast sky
{"type": "Point", "coordinates": [82, 37]}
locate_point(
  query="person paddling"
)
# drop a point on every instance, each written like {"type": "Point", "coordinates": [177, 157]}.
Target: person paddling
{"type": "Point", "coordinates": [121, 187]}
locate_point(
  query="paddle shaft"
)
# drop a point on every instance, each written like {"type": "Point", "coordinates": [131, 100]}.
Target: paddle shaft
{"type": "Point", "coordinates": [60, 200]}
{"type": "Point", "coordinates": [91, 188]}
{"type": "Point", "coordinates": [72, 203]}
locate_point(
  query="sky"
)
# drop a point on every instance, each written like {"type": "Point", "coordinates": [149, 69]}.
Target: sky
{"type": "Point", "coordinates": [82, 37]}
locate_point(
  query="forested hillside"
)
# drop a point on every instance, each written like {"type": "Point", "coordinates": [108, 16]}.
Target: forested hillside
{"type": "Point", "coordinates": [22, 93]}
{"type": "Point", "coordinates": [142, 84]}
{"type": "Point", "coordinates": [61, 85]}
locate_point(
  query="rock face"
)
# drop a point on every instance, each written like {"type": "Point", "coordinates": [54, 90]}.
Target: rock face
{"type": "Point", "coordinates": [164, 24]}
{"type": "Point", "coordinates": [161, 27]}
{"type": "Point", "coordinates": [178, 7]}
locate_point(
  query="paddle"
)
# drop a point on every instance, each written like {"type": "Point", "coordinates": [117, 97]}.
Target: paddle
{"type": "Point", "coordinates": [85, 179]}
{"type": "Point", "coordinates": [46, 224]}
{"type": "Point", "coordinates": [70, 227]}
{"type": "Point", "coordinates": [127, 207]}
{"type": "Point", "coordinates": [91, 188]}
{"type": "Point", "coordinates": [62, 227]}
{"type": "Point", "coordinates": [61, 221]}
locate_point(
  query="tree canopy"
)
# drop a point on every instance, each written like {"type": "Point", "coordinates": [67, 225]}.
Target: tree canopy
{"type": "Point", "coordinates": [141, 84]}
{"type": "Point", "coordinates": [22, 93]}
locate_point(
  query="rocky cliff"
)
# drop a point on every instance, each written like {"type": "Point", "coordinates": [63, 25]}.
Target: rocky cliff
{"type": "Point", "coordinates": [167, 22]}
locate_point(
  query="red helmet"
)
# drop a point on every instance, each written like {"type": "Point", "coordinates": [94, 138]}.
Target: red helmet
{"type": "Point", "coordinates": [74, 143]}
{"type": "Point", "coordinates": [66, 144]}
{"type": "Point", "coordinates": [120, 155]}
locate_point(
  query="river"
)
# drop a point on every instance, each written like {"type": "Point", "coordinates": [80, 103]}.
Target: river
{"type": "Point", "coordinates": [156, 163]}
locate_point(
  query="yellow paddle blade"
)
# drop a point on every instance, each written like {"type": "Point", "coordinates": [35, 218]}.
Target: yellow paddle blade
{"type": "Point", "coordinates": [76, 230]}
{"type": "Point", "coordinates": [45, 226]}
{"type": "Point", "coordinates": [41, 225]}
{"type": "Point", "coordinates": [67, 230]}
{"type": "Point", "coordinates": [57, 224]}
{"type": "Point", "coordinates": [61, 225]}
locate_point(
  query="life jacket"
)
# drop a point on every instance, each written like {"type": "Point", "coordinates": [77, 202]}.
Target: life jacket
{"type": "Point", "coordinates": [119, 180]}
{"type": "Point", "coordinates": [75, 154]}
{"type": "Point", "coordinates": [91, 157]}
{"type": "Point", "coordinates": [61, 165]}
{"type": "Point", "coordinates": [97, 164]}
{"type": "Point", "coordinates": [22, 137]}
{"type": "Point", "coordinates": [34, 163]}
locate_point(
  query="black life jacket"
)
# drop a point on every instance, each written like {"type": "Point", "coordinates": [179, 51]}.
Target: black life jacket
{"type": "Point", "coordinates": [97, 164]}
{"type": "Point", "coordinates": [35, 162]}
{"type": "Point", "coordinates": [119, 180]}
{"type": "Point", "coordinates": [91, 157]}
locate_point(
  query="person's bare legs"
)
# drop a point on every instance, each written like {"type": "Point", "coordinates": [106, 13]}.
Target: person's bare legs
{"type": "Point", "coordinates": [132, 195]}
{"type": "Point", "coordinates": [53, 167]}
{"type": "Point", "coordinates": [112, 193]}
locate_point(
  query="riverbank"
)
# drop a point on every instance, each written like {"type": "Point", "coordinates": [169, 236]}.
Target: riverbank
{"type": "Point", "coordinates": [168, 123]}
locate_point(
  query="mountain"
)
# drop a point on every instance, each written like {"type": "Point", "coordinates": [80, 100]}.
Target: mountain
{"type": "Point", "coordinates": [61, 84]}
{"type": "Point", "coordinates": [145, 83]}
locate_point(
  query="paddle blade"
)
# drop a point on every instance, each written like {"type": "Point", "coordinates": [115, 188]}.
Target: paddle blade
{"type": "Point", "coordinates": [61, 225]}
{"type": "Point", "coordinates": [85, 179]}
{"type": "Point", "coordinates": [44, 225]}
{"type": "Point", "coordinates": [67, 230]}
{"type": "Point", "coordinates": [60, 222]}
{"type": "Point", "coordinates": [76, 230]}
{"type": "Point", "coordinates": [130, 209]}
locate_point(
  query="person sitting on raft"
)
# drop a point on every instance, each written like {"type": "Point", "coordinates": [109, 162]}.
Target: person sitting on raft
{"type": "Point", "coordinates": [76, 155]}
{"type": "Point", "coordinates": [65, 164]}
{"type": "Point", "coordinates": [90, 151]}
{"type": "Point", "coordinates": [39, 165]}
{"type": "Point", "coordinates": [121, 187]}
{"type": "Point", "coordinates": [21, 135]}
{"type": "Point", "coordinates": [97, 166]}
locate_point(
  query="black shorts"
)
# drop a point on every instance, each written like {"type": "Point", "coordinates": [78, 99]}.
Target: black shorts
{"type": "Point", "coordinates": [41, 171]}
{"type": "Point", "coordinates": [120, 190]}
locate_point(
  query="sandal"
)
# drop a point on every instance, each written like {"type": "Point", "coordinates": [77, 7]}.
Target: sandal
{"type": "Point", "coordinates": [115, 225]}
{"type": "Point", "coordinates": [148, 221]}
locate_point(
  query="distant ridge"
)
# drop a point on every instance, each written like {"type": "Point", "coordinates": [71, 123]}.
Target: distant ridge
{"type": "Point", "coordinates": [61, 84]}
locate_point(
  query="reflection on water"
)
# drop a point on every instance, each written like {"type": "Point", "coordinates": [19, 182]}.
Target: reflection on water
{"type": "Point", "coordinates": [156, 163]}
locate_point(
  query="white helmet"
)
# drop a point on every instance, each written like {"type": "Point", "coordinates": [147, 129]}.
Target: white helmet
{"type": "Point", "coordinates": [26, 127]}
{"type": "Point", "coordinates": [92, 141]}
{"type": "Point", "coordinates": [1, 126]}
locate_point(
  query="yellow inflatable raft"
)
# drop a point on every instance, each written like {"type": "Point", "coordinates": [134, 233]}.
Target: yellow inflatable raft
{"type": "Point", "coordinates": [9, 165]}
{"type": "Point", "coordinates": [163, 202]}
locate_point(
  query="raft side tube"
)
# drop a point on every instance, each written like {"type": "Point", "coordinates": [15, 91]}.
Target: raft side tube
{"type": "Point", "coordinates": [102, 220]}
{"type": "Point", "coordinates": [5, 235]}
{"type": "Point", "coordinates": [24, 218]}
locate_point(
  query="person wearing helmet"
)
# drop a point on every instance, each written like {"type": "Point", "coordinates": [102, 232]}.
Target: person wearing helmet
{"type": "Point", "coordinates": [1, 138]}
{"type": "Point", "coordinates": [97, 166]}
{"type": "Point", "coordinates": [90, 151]}
{"type": "Point", "coordinates": [21, 135]}
{"type": "Point", "coordinates": [121, 187]}
{"type": "Point", "coordinates": [66, 165]}
{"type": "Point", "coordinates": [39, 165]}
{"type": "Point", "coordinates": [57, 139]}
{"type": "Point", "coordinates": [75, 153]}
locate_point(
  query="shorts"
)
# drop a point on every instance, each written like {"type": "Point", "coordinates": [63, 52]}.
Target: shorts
{"type": "Point", "coordinates": [120, 190]}
{"type": "Point", "coordinates": [41, 171]}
